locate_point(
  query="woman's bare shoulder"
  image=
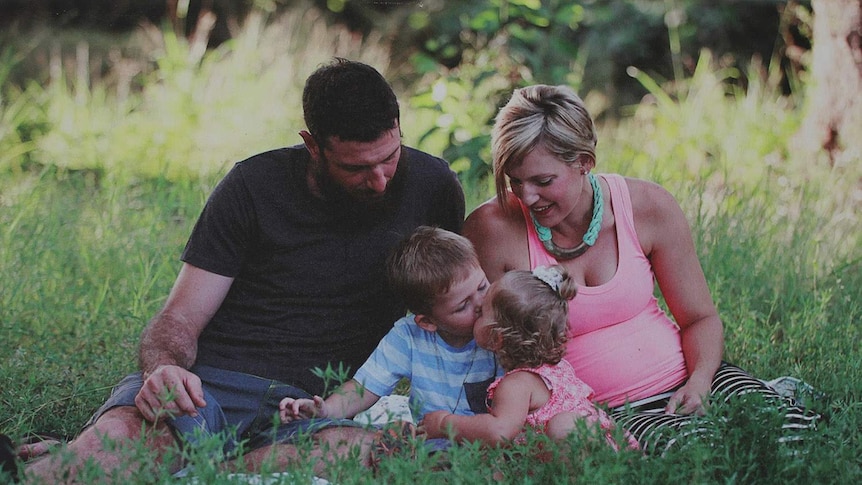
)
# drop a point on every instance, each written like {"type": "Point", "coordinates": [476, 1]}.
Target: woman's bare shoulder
{"type": "Point", "coordinates": [499, 236]}
{"type": "Point", "coordinates": [659, 219]}
{"type": "Point", "coordinates": [490, 216]}
{"type": "Point", "coordinates": [489, 213]}
{"type": "Point", "coordinates": [650, 199]}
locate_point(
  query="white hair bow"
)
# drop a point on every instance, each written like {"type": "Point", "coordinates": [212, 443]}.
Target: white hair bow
{"type": "Point", "coordinates": [550, 276]}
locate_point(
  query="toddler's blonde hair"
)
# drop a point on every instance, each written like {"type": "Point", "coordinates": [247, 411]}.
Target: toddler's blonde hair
{"type": "Point", "coordinates": [531, 318]}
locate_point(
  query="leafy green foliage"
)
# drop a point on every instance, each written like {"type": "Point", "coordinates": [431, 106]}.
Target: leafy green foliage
{"type": "Point", "coordinates": [499, 45]}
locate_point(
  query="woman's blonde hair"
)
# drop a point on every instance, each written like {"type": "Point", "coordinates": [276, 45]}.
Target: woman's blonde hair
{"type": "Point", "coordinates": [531, 318]}
{"type": "Point", "coordinates": [553, 116]}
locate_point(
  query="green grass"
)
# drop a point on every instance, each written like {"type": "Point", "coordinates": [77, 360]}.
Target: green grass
{"type": "Point", "coordinates": [98, 195]}
{"type": "Point", "coordinates": [83, 268]}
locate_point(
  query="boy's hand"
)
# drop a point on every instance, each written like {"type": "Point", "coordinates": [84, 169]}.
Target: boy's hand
{"type": "Point", "coordinates": [292, 409]}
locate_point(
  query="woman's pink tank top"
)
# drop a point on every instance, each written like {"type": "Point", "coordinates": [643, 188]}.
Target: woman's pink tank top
{"type": "Point", "coordinates": [621, 343]}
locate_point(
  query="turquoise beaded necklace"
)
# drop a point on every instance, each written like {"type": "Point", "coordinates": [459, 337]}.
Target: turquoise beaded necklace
{"type": "Point", "coordinates": [589, 237]}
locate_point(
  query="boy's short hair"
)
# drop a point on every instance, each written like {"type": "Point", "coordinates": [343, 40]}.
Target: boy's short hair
{"type": "Point", "coordinates": [426, 264]}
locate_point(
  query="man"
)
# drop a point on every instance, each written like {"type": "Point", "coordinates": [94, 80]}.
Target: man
{"type": "Point", "coordinates": [283, 274]}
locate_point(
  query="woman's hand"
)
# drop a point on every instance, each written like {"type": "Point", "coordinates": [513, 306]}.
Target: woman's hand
{"type": "Point", "coordinates": [691, 398]}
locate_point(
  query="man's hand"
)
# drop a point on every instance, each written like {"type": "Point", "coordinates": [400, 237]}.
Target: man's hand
{"type": "Point", "coordinates": [170, 390]}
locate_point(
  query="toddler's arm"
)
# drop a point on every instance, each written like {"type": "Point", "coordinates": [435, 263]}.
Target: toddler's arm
{"type": "Point", "coordinates": [512, 403]}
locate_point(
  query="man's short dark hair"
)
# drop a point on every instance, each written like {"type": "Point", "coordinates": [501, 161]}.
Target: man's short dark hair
{"type": "Point", "coordinates": [349, 100]}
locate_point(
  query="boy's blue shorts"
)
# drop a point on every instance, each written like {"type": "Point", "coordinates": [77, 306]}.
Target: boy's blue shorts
{"type": "Point", "coordinates": [241, 407]}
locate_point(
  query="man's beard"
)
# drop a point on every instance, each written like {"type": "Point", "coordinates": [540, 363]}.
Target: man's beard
{"type": "Point", "coordinates": [367, 206]}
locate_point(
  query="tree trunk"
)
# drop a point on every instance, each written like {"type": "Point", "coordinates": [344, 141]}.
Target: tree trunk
{"type": "Point", "coordinates": [833, 120]}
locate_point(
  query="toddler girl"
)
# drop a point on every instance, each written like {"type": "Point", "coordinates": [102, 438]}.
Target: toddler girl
{"type": "Point", "coordinates": [524, 321]}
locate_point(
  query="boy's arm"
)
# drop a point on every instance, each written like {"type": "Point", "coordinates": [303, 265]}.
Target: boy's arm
{"type": "Point", "coordinates": [505, 420]}
{"type": "Point", "coordinates": [348, 400]}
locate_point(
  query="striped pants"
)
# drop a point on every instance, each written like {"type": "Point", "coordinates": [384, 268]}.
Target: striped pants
{"type": "Point", "coordinates": [657, 432]}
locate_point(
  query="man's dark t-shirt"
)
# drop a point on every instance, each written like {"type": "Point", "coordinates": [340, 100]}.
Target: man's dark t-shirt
{"type": "Point", "coordinates": [309, 284]}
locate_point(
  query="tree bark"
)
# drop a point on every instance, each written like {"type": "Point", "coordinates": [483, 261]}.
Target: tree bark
{"type": "Point", "coordinates": [833, 121]}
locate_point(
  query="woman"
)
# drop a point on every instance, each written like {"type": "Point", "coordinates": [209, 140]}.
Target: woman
{"type": "Point", "coordinates": [615, 236]}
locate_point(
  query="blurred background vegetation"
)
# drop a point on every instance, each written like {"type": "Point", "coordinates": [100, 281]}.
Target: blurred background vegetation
{"type": "Point", "coordinates": [544, 38]}
{"type": "Point", "coordinates": [184, 87]}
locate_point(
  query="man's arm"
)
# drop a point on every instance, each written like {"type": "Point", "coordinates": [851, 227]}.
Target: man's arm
{"type": "Point", "coordinates": [169, 344]}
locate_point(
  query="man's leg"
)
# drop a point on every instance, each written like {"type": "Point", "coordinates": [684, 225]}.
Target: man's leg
{"type": "Point", "coordinates": [122, 426]}
{"type": "Point", "coordinates": [328, 445]}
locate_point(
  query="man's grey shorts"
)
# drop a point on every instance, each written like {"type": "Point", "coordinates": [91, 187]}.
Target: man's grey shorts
{"type": "Point", "coordinates": [240, 406]}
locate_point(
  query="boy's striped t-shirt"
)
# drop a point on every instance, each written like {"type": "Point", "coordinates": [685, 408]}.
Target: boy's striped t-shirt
{"type": "Point", "coordinates": [440, 375]}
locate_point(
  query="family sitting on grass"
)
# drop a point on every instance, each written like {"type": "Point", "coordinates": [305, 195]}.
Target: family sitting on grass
{"type": "Point", "coordinates": [451, 341]}
{"type": "Point", "coordinates": [284, 273]}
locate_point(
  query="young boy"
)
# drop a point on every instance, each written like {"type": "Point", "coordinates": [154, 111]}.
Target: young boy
{"type": "Point", "coordinates": [438, 275]}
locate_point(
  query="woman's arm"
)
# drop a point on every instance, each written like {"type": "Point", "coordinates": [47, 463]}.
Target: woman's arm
{"type": "Point", "coordinates": [666, 238]}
